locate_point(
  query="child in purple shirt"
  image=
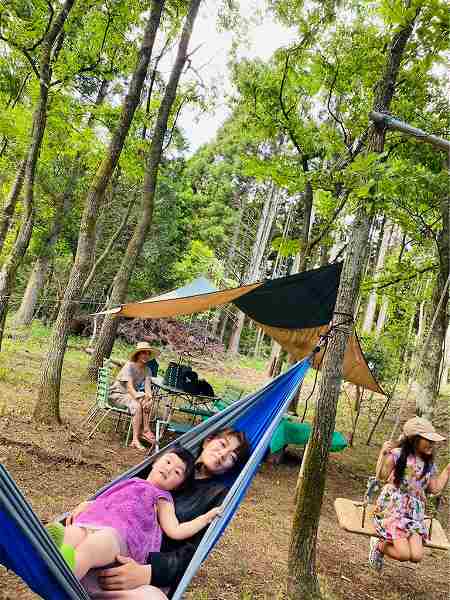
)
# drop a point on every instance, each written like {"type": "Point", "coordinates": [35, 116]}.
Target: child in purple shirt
{"type": "Point", "coordinates": [129, 517]}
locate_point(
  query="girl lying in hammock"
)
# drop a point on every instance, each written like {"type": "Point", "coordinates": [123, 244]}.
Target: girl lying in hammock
{"type": "Point", "coordinates": [400, 510]}
{"type": "Point", "coordinates": [127, 518]}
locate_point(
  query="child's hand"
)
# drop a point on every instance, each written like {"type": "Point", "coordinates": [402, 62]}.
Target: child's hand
{"type": "Point", "coordinates": [77, 511]}
{"type": "Point", "coordinates": [387, 448]}
{"type": "Point", "coordinates": [213, 513]}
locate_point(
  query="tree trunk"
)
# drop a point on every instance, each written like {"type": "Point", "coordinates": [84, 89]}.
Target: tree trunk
{"type": "Point", "coordinates": [233, 345]}
{"type": "Point", "coordinates": [47, 407]}
{"type": "Point", "coordinates": [259, 246]}
{"type": "Point", "coordinates": [14, 260]}
{"type": "Point", "coordinates": [302, 581]}
{"type": "Point", "coordinates": [304, 241]}
{"type": "Point", "coordinates": [381, 320]}
{"type": "Point", "coordinates": [36, 282]}
{"type": "Point", "coordinates": [428, 379]}
{"type": "Point", "coordinates": [446, 361]}
{"type": "Point", "coordinates": [372, 301]}
{"type": "Point", "coordinates": [105, 340]}
{"type": "Point", "coordinates": [10, 206]}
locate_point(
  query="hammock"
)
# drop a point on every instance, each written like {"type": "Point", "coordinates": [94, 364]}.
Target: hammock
{"type": "Point", "coordinates": [26, 548]}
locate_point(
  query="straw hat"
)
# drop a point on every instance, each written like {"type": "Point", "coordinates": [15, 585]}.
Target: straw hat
{"type": "Point", "coordinates": [145, 347]}
{"type": "Point", "coordinates": [422, 427]}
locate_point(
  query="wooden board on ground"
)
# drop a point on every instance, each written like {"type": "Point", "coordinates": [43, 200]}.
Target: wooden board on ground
{"type": "Point", "coordinates": [349, 514]}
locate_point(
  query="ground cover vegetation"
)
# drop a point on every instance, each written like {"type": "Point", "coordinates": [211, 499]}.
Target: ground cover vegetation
{"type": "Point", "coordinates": [103, 203]}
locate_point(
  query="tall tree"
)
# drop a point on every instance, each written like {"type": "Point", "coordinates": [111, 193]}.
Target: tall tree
{"type": "Point", "coordinates": [302, 577]}
{"type": "Point", "coordinates": [47, 407]}
{"type": "Point", "coordinates": [105, 340]}
{"type": "Point", "coordinates": [50, 44]}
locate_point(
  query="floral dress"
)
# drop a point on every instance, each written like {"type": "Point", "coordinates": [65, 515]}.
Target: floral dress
{"type": "Point", "coordinates": [400, 511]}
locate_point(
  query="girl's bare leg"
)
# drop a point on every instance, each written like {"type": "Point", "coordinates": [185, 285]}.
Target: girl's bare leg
{"type": "Point", "coordinates": [398, 549]}
{"type": "Point", "coordinates": [74, 535]}
{"type": "Point", "coordinates": [415, 548]}
{"type": "Point", "coordinates": [98, 549]}
{"type": "Point", "coordinates": [145, 592]}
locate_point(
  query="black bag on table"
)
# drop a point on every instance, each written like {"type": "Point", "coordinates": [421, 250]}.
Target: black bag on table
{"type": "Point", "coordinates": [204, 388]}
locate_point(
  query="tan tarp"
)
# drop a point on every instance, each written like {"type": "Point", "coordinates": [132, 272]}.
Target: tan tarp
{"type": "Point", "coordinates": [297, 342]}
{"type": "Point", "coordinates": [156, 308]}
{"type": "Point", "coordinates": [301, 342]}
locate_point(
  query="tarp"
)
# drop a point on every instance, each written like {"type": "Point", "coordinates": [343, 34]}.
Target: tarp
{"type": "Point", "coordinates": [292, 310]}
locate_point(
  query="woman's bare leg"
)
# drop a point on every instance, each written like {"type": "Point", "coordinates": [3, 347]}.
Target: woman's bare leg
{"type": "Point", "coordinates": [136, 424]}
{"type": "Point", "coordinates": [98, 549]}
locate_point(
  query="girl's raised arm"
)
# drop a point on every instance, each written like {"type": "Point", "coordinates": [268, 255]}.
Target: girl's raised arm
{"type": "Point", "coordinates": [437, 484]}
{"type": "Point", "coordinates": [182, 531]}
{"type": "Point", "coordinates": [385, 462]}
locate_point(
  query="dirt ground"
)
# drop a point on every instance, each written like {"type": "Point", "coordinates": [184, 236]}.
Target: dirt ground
{"type": "Point", "coordinates": [56, 468]}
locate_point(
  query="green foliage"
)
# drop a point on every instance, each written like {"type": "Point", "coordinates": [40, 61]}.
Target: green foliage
{"type": "Point", "coordinates": [199, 260]}
{"type": "Point", "coordinates": [383, 357]}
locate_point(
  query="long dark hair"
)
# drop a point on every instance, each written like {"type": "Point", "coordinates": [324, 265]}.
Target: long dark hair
{"type": "Point", "coordinates": [408, 447]}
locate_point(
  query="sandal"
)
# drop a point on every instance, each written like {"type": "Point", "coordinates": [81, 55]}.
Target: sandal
{"type": "Point", "coordinates": [137, 446]}
{"type": "Point", "coordinates": [149, 437]}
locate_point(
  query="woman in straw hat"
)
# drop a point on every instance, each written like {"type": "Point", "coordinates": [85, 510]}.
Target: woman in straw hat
{"type": "Point", "coordinates": [125, 391]}
{"type": "Point", "coordinates": [399, 516]}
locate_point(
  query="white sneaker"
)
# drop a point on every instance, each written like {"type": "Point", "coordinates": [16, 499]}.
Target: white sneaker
{"type": "Point", "coordinates": [376, 557]}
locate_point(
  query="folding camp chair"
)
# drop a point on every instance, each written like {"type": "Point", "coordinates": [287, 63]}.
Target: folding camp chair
{"type": "Point", "coordinates": [102, 407]}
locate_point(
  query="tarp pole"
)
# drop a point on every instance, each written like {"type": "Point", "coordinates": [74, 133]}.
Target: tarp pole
{"type": "Point", "coordinates": [392, 123]}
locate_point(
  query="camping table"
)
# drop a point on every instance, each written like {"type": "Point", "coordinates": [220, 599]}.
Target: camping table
{"type": "Point", "coordinates": [176, 400]}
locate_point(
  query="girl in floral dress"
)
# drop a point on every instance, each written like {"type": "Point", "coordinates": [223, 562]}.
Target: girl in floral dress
{"type": "Point", "coordinates": [400, 510]}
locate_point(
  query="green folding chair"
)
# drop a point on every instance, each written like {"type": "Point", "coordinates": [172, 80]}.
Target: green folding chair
{"type": "Point", "coordinates": [102, 408]}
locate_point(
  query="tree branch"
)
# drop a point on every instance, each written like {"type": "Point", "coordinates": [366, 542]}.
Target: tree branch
{"type": "Point", "coordinates": [174, 123]}
{"type": "Point", "coordinates": [330, 223]}
{"type": "Point", "coordinates": [403, 279]}
{"type": "Point", "coordinates": [283, 108]}
{"type": "Point", "coordinates": [47, 29]}
{"type": "Point", "coordinates": [107, 250]}
{"type": "Point", "coordinates": [335, 117]}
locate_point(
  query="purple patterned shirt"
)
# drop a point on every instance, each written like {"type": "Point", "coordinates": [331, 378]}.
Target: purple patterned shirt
{"type": "Point", "coordinates": [130, 508]}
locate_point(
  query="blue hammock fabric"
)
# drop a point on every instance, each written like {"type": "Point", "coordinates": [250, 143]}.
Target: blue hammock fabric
{"type": "Point", "coordinates": [26, 548]}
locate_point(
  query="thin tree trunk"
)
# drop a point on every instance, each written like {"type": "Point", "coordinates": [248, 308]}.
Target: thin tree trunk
{"type": "Point", "coordinates": [304, 241]}
{"type": "Point", "coordinates": [372, 301]}
{"type": "Point", "coordinates": [253, 271]}
{"type": "Point", "coordinates": [10, 206]}
{"type": "Point", "coordinates": [381, 320]}
{"type": "Point", "coordinates": [47, 407]}
{"type": "Point", "coordinates": [36, 281]}
{"type": "Point", "coordinates": [14, 260]}
{"type": "Point", "coordinates": [233, 345]}
{"type": "Point", "coordinates": [446, 361]}
{"type": "Point", "coordinates": [37, 278]}
{"type": "Point", "coordinates": [428, 380]}
{"type": "Point", "coordinates": [302, 581]}
{"type": "Point", "coordinates": [105, 340]}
